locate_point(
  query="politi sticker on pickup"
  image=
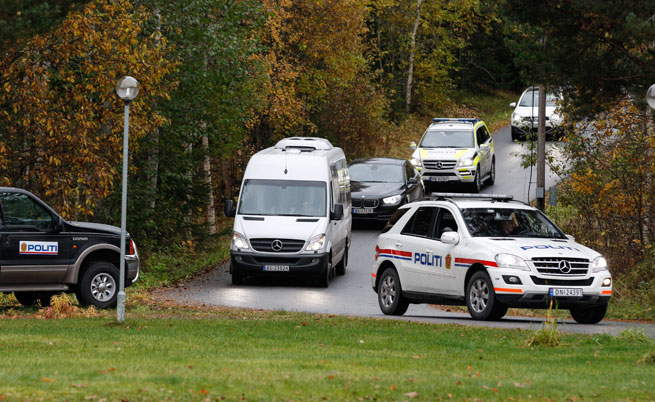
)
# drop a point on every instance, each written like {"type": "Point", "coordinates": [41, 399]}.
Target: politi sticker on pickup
{"type": "Point", "coordinates": [39, 247]}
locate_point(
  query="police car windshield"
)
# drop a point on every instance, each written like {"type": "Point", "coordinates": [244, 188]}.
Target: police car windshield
{"type": "Point", "coordinates": [447, 139]}
{"type": "Point", "coordinates": [508, 222]}
{"type": "Point", "coordinates": [376, 173]}
{"type": "Point", "coordinates": [283, 198]}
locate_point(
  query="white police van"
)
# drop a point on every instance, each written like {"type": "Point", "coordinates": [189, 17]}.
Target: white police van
{"type": "Point", "coordinates": [294, 212]}
{"type": "Point", "coordinates": [488, 253]}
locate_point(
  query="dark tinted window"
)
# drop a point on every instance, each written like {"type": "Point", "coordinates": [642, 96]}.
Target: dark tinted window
{"type": "Point", "coordinates": [446, 223]}
{"type": "Point", "coordinates": [422, 223]}
{"type": "Point", "coordinates": [509, 222]}
{"type": "Point", "coordinates": [395, 218]}
{"type": "Point", "coordinates": [20, 210]}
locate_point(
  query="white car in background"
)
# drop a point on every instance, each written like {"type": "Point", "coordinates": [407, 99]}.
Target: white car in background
{"type": "Point", "coordinates": [525, 118]}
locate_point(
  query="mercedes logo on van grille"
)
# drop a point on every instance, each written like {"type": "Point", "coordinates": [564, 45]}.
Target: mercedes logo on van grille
{"type": "Point", "coordinates": [439, 165]}
{"type": "Point", "coordinates": [564, 266]}
{"type": "Point", "coordinates": [276, 245]}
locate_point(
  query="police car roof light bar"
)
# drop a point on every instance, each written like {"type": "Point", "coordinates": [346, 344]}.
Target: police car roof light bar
{"type": "Point", "coordinates": [495, 197]}
{"type": "Point", "coordinates": [455, 120]}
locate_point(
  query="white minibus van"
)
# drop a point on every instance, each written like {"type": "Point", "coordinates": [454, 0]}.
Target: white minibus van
{"type": "Point", "coordinates": [293, 216]}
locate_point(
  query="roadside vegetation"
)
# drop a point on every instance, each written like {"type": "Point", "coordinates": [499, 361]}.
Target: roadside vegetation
{"type": "Point", "coordinates": [167, 352]}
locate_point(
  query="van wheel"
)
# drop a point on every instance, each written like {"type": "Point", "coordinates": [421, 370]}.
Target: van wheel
{"type": "Point", "coordinates": [99, 285]}
{"type": "Point", "coordinates": [481, 298]}
{"type": "Point", "coordinates": [589, 315]}
{"type": "Point", "coordinates": [390, 294]}
{"type": "Point", "coordinates": [341, 267]}
{"type": "Point", "coordinates": [324, 277]}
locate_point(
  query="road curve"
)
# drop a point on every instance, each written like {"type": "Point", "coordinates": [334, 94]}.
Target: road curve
{"type": "Point", "coordinates": [352, 294]}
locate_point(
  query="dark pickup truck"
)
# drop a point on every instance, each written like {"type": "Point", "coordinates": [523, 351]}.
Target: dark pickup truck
{"type": "Point", "coordinates": [41, 254]}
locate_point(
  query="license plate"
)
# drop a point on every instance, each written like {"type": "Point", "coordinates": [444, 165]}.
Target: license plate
{"type": "Point", "coordinates": [362, 210]}
{"type": "Point", "coordinates": [439, 178]}
{"type": "Point", "coordinates": [276, 268]}
{"type": "Point", "coordinates": [565, 292]}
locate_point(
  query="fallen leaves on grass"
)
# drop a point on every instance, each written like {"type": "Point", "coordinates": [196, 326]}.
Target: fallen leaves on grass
{"type": "Point", "coordinates": [46, 379]}
{"type": "Point", "coordinates": [411, 394]}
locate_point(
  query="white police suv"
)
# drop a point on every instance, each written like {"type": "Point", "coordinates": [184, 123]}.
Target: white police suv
{"type": "Point", "coordinates": [489, 253]}
{"type": "Point", "coordinates": [455, 150]}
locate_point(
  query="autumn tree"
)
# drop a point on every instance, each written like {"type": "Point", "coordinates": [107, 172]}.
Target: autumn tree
{"type": "Point", "coordinates": [62, 131]}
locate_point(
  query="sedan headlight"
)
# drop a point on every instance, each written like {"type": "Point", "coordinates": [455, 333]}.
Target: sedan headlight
{"type": "Point", "coordinates": [316, 243]}
{"type": "Point", "coordinates": [239, 241]}
{"type": "Point", "coordinates": [465, 162]}
{"type": "Point", "coordinates": [599, 264]}
{"type": "Point", "coordinates": [394, 199]}
{"type": "Point", "coordinates": [511, 261]}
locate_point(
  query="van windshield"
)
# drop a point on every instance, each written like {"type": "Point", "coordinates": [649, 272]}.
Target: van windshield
{"type": "Point", "coordinates": [283, 198]}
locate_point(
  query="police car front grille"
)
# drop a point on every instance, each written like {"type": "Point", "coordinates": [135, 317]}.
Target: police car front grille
{"type": "Point", "coordinates": [288, 245]}
{"type": "Point", "coordinates": [434, 165]}
{"type": "Point", "coordinates": [365, 203]}
{"type": "Point", "coordinates": [562, 282]}
{"type": "Point", "coordinates": [550, 266]}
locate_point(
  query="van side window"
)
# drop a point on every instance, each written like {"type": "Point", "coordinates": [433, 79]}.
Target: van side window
{"type": "Point", "coordinates": [344, 181]}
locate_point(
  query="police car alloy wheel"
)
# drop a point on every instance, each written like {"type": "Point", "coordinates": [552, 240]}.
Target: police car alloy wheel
{"type": "Point", "coordinates": [477, 185]}
{"type": "Point", "coordinates": [481, 298]}
{"type": "Point", "coordinates": [99, 285]}
{"type": "Point", "coordinates": [390, 295]}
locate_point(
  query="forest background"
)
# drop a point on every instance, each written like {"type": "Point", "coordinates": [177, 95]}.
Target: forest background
{"type": "Point", "coordinates": [221, 79]}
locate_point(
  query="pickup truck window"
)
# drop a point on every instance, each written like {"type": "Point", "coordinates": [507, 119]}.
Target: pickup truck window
{"type": "Point", "coordinates": [20, 210]}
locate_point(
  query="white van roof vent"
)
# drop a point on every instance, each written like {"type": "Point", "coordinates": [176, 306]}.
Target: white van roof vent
{"type": "Point", "coordinates": [304, 144]}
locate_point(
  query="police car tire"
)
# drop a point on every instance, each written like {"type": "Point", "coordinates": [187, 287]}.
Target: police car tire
{"type": "Point", "coordinates": [589, 315]}
{"type": "Point", "coordinates": [341, 267]}
{"type": "Point", "coordinates": [399, 304]}
{"type": "Point", "coordinates": [492, 173]}
{"type": "Point", "coordinates": [476, 186]}
{"type": "Point", "coordinates": [493, 309]}
{"type": "Point", "coordinates": [26, 299]}
{"type": "Point", "coordinates": [85, 293]}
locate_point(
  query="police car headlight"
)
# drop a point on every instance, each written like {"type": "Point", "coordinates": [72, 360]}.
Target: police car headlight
{"type": "Point", "coordinates": [316, 243]}
{"type": "Point", "coordinates": [511, 261]}
{"type": "Point", "coordinates": [416, 162]}
{"type": "Point", "coordinates": [465, 162]}
{"type": "Point", "coordinates": [394, 199]}
{"type": "Point", "coordinates": [599, 264]}
{"type": "Point", "coordinates": [239, 241]}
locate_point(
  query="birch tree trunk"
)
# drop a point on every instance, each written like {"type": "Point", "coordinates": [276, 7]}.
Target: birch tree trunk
{"type": "Point", "coordinates": [412, 49]}
{"type": "Point", "coordinates": [207, 172]}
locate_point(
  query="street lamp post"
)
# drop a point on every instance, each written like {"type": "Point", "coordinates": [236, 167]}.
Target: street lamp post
{"type": "Point", "coordinates": [127, 88]}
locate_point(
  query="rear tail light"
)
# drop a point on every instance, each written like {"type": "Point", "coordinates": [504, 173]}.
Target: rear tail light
{"type": "Point", "coordinates": [132, 248]}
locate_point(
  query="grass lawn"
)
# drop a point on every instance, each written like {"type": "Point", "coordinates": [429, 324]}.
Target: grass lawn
{"type": "Point", "coordinates": [171, 353]}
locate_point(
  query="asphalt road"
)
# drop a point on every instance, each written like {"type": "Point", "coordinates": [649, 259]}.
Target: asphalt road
{"type": "Point", "coordinates": [352, 294]}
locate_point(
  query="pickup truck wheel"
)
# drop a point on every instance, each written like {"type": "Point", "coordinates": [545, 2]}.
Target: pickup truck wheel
{"type": "Point", "coordinates": [390, 294]}
{"type": "Point", "coordinates": [99, 285]}
{"type": "Point", "coordinates": [481, 298]}
{"type": "Point", "coordinates": [27, 299]}
{"type": "Point", "coordinates": [589, 315]}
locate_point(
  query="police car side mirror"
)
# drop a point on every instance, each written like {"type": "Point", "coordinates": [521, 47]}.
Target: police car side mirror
{"type": "Point", "coordinates": [412, 145]}
{"type": "Point", "coordinates": [59, 224]}
{"type": "Point", "coordinates": [450, 238]}
{"type": "Point", "coordinates": [337, 214]}
{"type": "Point", "coordinates": [513, 104]}
{"type": "Point", "coordinates": [412, 180]}
{"type": "Point", "coordinates": [230, 211]}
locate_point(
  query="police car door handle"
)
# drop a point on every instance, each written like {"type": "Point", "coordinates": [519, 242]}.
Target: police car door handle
{"type": "Point", "coordinates": [399, 244]}
{"type": "Point", "coordinates": [428, 251]}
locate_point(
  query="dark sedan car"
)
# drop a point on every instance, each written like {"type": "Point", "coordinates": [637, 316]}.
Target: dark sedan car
{"type": "Point", "coordinates": [380, 185]}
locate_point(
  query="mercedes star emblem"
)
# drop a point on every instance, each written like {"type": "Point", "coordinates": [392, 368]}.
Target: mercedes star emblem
{"type": "Point", "coordinates": [439, 165]}
{"type": "Point", "coordinates": [276, 245]}
{"type": "Point", "coordinates": [564, 266]}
